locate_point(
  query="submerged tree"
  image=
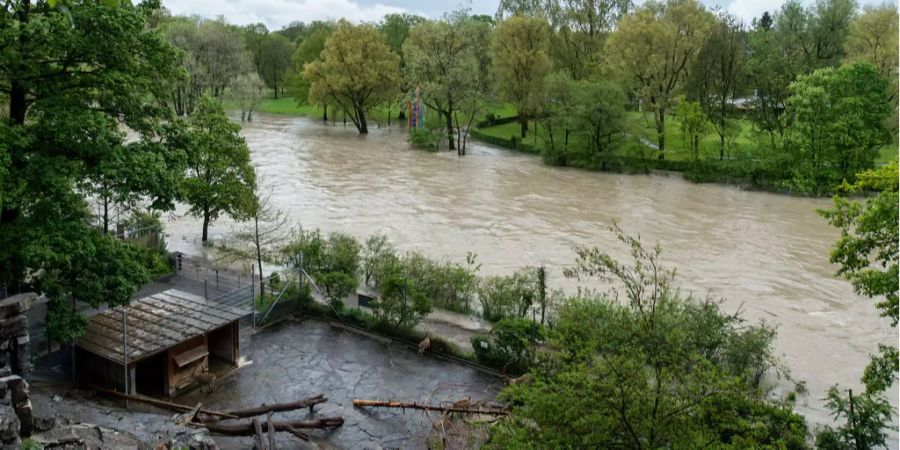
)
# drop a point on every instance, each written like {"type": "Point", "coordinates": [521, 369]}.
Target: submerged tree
{"type": "Point", "coordinates": [247, 90]}
{"type": "Point", "coordinates": [220, 178]}
{"type": "Point", "coordinates": [446, 59]}
{"type": "Point", "coordinates": [357, 72]}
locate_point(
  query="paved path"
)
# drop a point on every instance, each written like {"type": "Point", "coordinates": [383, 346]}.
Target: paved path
{"type": "Point", "coordinates": [294, 360]}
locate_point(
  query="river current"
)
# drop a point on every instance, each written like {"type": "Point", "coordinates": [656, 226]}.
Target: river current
{"type": "Point", "coordinates": [765, 254]}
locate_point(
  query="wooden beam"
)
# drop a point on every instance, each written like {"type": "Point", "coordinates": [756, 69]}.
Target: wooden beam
{"type": "Point", "coordinates": [164, 404]}
{"type": "Point", "coordinates": [444, 409]}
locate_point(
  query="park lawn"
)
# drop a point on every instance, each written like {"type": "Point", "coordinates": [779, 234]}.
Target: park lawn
{"type": "Point", "coordinates": [887, 153]}
{"type": "Point", "coordinates": [640, 126]}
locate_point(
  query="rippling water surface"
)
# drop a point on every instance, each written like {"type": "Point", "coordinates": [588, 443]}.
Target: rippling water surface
{"type": "Point", "coordinates": [764, 253]}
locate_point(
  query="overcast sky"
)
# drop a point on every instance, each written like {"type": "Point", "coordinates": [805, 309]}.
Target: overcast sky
{"type": "Point", "coordinates": [277, 13]}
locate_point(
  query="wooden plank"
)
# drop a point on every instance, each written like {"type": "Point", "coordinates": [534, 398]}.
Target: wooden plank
{"type": "Point", "coordinates": [139, 335]}
{"type": "Point", "coordinates": [185, 358]}
{"type": "Point", "coordinates": [191, 328]}
{"type": "Point", "coordinates": [112, 344]}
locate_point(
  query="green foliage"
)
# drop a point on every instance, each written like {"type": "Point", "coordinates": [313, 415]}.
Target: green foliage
{"type": "Point", "coordinates": [220, 178]}
{"type": "Point", "coordinates": [693, 126]}
{"type": "Point", "coordinates": [867, 255]}
{"type": "Point", "coordinates": [400, 303]}
{"type": "Point", "coordinates": [424, 138]}
{"type": "Point", "coordinates": [506, 297]}
{"type": "Point", "coordinates": [838, 124]}
{"type": "Point", "coordinates": [520, 62]}
{"type": "Point", "coordinates": [658, 370]}
{"type": "Point", "coordinates": [72, 81]}
{"type": "Point", "coordinates": [357, 71]}
{"type": "Point", "coordinates": [510, 346]}
{"type": "Point", "coordinates": [867, 418]}
{"type": "Point", "coordinates": [334, 261]}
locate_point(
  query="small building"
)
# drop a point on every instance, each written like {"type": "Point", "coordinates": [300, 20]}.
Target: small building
{"type": "Point", "coordinates": [171, 337]}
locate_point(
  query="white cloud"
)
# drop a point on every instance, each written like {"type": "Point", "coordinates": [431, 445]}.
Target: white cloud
{"type": "Point", "coordinates": [748, 9]}
{"type": "Point", "coordinates": [277, 13]}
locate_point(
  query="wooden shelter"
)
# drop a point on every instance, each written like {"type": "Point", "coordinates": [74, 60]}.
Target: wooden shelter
{"type": "Point", "coordinates": [169, 338]}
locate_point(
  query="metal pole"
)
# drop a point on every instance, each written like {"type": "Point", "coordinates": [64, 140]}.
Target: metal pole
{"type": "Point", "coordinates": [125, 350]}
{"type": "Point", "coordinates": [253, 294]}
{"type": "Point", "coordinates": [206, 289]}
{"type": "Point", "coordinates": [301, 275]}
{"type": "Point", "coordinates": [405, 330]}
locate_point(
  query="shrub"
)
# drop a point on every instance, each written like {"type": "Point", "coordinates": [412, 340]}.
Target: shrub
{"type": "Point", "coordinates": [424, 139]}
{"type": "Point", "coordinates": [400, 303]}
{"type": "Point", "coordinates": [503, 297]}
{"type": "Point", "coordinates": [510, 345]}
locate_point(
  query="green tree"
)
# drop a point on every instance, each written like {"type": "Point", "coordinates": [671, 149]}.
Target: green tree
{"type": "Point", "coordinates": [254, 36]}
{"type": "Point", "coordinates": [558, 106]}
{"type": "Point", "coordinates": [308, 50]}
{"type": "Point", "coordinates": [867, 255]}
{"type": "Point", "coordinates": [599, 115]}
{"type": "Point", "coordinates": [445, 59]}
{"type": "Point", "coordinates": [581, 28]}
{"type": "Point", "coordinates": [838, 124]}
{"type": "Point", "coordinates": [357, 72]}
{"type": "Point", "coordinates": [275, 59]}
{"type": "Point", "coordinates": [719, 74]}
{"type": "Point", "coordinates": [220, 178]}
{"type": "Point", "coordinates": [520, 62]}
{"type": "Point", "coordinates": [247, 90]}
{"type": "Point", "coordinates": [71, 80]}
{"type": "Point", "coordinates": [333, 262]}
{"type": "Point", "coordinates": [654, 370]}
{"type": "Point", "coordinates": [873, 39]}
{"type": "Point", "coordinates": [694, 126]}
{"type": "Point", "coordinates": [653, 50]}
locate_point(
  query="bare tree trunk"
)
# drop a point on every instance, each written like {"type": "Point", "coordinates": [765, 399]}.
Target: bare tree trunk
{"type": "Point", "coordinates": [449, 117]}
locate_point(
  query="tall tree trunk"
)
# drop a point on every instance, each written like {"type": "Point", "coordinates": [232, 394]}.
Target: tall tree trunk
{"type": "Point", "coordinates": [205, 236]}
{"type": "Point", "coordinates": [661, 131]}
{"type": "Point", "coordinates": [17, 101]}
{"type": "Point", "coordinates": [275, 85]}
{"type": "Point", "coordinates": [325, 113]}
{"type": "Point", "coordinates": [105, 215]}
{"type": "Point", "coordinates": [523, 122]}
{"type": "Point", "coordinates": [363, 128]}
{"type": "Point", "coordinates": [449, 117]}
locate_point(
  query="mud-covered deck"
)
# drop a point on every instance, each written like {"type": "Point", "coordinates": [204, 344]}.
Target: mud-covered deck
{"type": "Point", "coordinates": [293, 360]}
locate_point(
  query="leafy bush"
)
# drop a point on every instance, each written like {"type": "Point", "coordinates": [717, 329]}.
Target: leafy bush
{"type": "Point", "coordinates": [503, 297]}
{"type": "Point", "coordinates": [424, 138]}
{"type": "Point", "coordinates": [400, 303]}
{"type": "Point", "coordinates": [333, 262]}
{"type": "Point", "coordinates": [510, 345]}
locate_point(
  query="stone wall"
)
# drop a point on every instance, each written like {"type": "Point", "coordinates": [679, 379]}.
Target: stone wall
{"type": "Point", "coordinates": [16, 418]}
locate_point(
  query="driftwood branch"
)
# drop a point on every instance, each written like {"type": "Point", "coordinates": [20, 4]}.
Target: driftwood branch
{"type": "Point", "coordinates": [247, 428]}
{"type": "Point", "coordinates": [164, 404]}
{"type": "Point", "coordinates": [258, 435]}
{"type": "Point", "coordinates": [278, 407]}
{"type": "Point", "coordinates": [444, 409]}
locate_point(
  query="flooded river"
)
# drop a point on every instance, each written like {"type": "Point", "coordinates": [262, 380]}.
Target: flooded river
{"type": "Point", "coordinates": [765, 254]}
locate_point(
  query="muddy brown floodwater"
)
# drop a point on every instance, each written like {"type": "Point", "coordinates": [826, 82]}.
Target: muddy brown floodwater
{"type": "Point", "coordinates": [765, 254]}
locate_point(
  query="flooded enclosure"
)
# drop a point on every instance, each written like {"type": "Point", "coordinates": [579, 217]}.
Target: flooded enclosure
{"type": "Point", "coordinates": [291, 361]}
{"type": "Point", "coordinates": [765, 254]}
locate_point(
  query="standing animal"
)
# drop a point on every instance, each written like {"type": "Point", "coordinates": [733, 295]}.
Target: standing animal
{"type": "Point", "coordinates": [207, 380]}
{"type": "Point", "coordinates": [524, 379]}
{"type": "Point", "coordinates": [424, 345]}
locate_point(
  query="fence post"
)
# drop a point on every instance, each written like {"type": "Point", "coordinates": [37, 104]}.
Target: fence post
{"type": "Point", "coordinates": [217, 277]}
{"type": "Point", "coordinates": [405, 328]}
{"type": "Point", "coordinates": [205, 289]}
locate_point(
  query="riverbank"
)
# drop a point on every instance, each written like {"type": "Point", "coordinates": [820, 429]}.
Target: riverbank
{"type": "Point", "coordinates": [637, 153]}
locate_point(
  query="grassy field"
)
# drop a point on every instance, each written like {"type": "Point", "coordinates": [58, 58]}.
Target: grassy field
{"type": "Point", "coordinates": [642, 130]}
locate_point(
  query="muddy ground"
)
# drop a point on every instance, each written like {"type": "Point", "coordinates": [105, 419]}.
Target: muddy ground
{"type": "Point", "coordinates": [293, 360]}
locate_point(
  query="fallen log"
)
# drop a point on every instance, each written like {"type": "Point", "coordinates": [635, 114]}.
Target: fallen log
{"type": "Point", "coordinates": [278, 407]}
{"type": "Point", "coordinates": [165, 404]}
{"type": "Point", "coordinates": [247, 428]}
{"type": "Point", "coordinates": [444, 409]}
{"type": "Point", "coordinates": [258, 435]}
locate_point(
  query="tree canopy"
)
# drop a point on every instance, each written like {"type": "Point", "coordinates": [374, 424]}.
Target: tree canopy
{"type": "Point", "coordinates": [357, 71]}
